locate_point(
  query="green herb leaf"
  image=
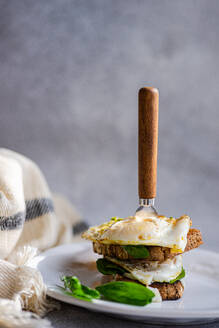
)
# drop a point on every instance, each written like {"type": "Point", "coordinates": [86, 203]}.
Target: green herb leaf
{"type": "Point", "coordinates": [137, 252]}
{"type": "Point", "coordinates": [78, 290]}
{"type": "Point", "coordinates": [126, 292]}
{"type": "Point", "coordinates": [71, 282]}
{"type": "Point", "coordinates": [179, 277]}
{"type": "Point", "coordinates": [89, 291]}
{"type": "Point", "coordinates": [115, 219]}
{"type": "Point", "coordinates": [79, 296]}
{"type": "Point", "coordinates": [107, 267]}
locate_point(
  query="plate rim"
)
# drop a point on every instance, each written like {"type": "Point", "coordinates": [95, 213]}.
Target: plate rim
{"type": "Point", "coordinates": [118, 308]}
{"type": "Point", "coordinates": [151, 312]}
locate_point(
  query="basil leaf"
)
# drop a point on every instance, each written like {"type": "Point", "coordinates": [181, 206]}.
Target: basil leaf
{"type": "Point", "coordinates": [107, 267]}
{"type": "Point", "coordinates": [78, 290]}
{"type": "Point", "coordinates": [71, 282]}
{"type": "Point", "coordinates": [126, 292]}
{"type": "Point", "coordinates": [179, 277]}
{"type": "Point", "coordinates": [137, 252]}
{"type": "Point", "coordinates": [80, 297]}
{"type": "Point", "coordinates": [91, 292]}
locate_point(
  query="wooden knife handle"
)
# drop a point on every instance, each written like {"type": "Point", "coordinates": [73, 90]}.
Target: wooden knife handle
{"type": "Point", "coordinates": [148, 103]}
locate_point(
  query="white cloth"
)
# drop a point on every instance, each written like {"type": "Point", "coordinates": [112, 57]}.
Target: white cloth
{"type": "Point", "coordinates": [31, 220]}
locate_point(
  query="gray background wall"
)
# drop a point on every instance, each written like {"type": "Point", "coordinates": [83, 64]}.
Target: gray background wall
{"type": "Point", "coordinates": [70, 72]}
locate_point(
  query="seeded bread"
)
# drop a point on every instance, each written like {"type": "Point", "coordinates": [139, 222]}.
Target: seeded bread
{"type": "Point", "coordinates": [157, 253]}
{"type": "Point", "coordinates": [169, 291]}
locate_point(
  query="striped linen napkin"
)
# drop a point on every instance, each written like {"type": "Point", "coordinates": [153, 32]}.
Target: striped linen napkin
{"type": "Point", "coordinates": [31, 220]}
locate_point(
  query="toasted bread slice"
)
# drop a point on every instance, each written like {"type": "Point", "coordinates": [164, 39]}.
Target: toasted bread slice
{"type": "Point", "coordinates": [169, 291]}
{"type": "Point", "coordinates": [157, 253]}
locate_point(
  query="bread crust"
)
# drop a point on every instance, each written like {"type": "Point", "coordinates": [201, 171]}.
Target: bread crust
{"type": "Point", "coordinates": [157, 253]}
{"type": "Point", "coordinates": [169, 291]}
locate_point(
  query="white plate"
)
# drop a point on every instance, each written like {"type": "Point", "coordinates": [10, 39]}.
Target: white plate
{"type": "Point", "coordinates": [199, 304]}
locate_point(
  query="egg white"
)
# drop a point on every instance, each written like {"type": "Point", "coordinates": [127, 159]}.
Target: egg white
{"type": "Point", "coordinates": [151, 231]}
{"type": "Point", "coordinates": [151, 271]}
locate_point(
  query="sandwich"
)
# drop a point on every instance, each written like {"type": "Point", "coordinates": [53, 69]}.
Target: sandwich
{"type": "Point", "coordinates": [146, 250]}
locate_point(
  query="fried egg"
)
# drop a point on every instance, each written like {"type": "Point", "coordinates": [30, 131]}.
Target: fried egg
{"type": "Point", "coordinates": [151, 271]}
{"type": "Point", "coordinates": [151, 231]}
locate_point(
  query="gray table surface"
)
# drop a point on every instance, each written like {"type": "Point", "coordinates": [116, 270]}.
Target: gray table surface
{"type": "Point", "coordinates": [72, 316]}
